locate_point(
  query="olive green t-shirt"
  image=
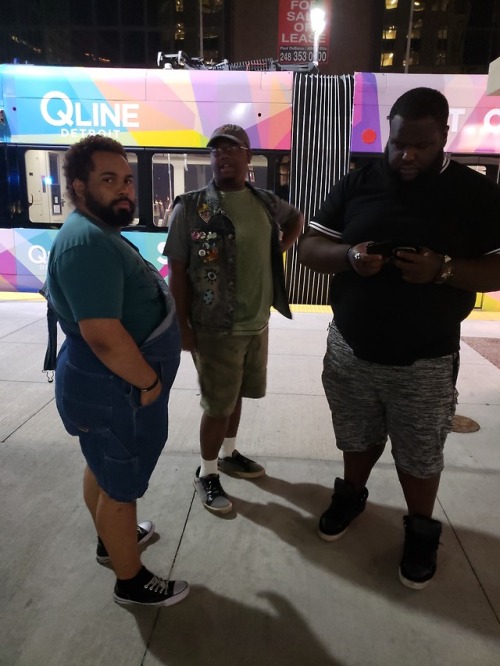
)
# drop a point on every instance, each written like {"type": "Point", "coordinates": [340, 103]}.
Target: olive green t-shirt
{"type": "Point", "coordinates": [254, 282]}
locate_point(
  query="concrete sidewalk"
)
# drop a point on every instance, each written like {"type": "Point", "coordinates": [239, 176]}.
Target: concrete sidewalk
{"type": "Point", "coordinates": [265, 590]}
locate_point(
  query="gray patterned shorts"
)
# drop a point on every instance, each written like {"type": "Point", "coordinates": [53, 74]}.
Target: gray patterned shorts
{"type": "Point", "coordinates": [413, 405]}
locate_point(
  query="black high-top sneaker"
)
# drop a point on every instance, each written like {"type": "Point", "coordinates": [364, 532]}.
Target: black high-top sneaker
{"type": "Point", "coordinates": [347, 503]}
{"type": "Point", "coordinates": [418, 564]}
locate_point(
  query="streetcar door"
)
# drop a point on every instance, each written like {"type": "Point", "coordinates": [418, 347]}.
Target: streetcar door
{"type": "Point", "coordinates": [46, 187]}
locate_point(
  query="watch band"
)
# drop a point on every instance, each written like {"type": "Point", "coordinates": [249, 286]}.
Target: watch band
{"type": "Point", "coordinates": [446, 271]}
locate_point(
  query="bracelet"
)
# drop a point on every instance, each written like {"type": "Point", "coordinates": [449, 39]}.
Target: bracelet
{"type": "Point", "coordinates": [150, 388]}
{"type": "Point", "coordinates": [348, 258]}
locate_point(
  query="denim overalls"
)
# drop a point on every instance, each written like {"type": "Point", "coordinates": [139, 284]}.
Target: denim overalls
{"type": "Point", "coordinates": [120, 439]}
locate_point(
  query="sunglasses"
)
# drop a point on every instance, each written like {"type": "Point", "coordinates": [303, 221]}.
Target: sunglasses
{"type": "Point", "coordinates": [230, 148]}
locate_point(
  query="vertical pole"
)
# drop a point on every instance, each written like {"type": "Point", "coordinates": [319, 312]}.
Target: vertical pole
{"type": "Point", "coordinates": [408, 39]}
{"type": "Point", "coordinates": [201, 28]}
{"type": "Point", "coordinates": [317, 21]}
{"type": "Point", "coordinates": [316, 48]}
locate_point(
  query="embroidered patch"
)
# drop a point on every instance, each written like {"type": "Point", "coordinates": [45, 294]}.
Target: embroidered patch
{"type": "Point", "coordinates": [212, 254]}
{"type": "Point", "coordinates": [211, 276]}
{"type": "Point", "coordinates": [208, 297]}
{"type": "Point", "coordinates": [204, 212]}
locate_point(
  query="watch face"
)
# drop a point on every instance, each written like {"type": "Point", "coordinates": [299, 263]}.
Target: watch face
{"type": "Point", "coordinates": [447, 270]}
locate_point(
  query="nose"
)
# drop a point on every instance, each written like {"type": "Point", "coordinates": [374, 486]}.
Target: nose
{"type": "Point", "coordinates": [408, 154]}
{"type": "Point", "coordinates": [126, 187]}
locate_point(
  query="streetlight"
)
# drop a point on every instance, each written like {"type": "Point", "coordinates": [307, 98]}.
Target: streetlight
{"type": "Point", "coordinates": [318, 24]}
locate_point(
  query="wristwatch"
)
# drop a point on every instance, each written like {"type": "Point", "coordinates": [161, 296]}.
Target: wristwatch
{"type": "Point", "coordinates": [446, 270]}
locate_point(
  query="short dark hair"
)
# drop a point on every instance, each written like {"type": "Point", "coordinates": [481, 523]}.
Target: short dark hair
{"type": "Point", "coordinates": [421, 103]}
{"type": "Point", "coordinates": [78, 160]}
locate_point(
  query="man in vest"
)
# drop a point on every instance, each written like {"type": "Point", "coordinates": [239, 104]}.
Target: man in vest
{"type": "Point", "coordinates": [225, 248]}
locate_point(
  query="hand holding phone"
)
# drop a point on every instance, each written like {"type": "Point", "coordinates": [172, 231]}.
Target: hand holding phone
{"type": "Point", "coordinates": [384, 248]}
{"type": "Point", "coordinates": [387, 249]}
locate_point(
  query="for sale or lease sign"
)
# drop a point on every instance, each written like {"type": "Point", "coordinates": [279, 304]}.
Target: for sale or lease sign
{"type": "Point", "coordinates": [296, 37]}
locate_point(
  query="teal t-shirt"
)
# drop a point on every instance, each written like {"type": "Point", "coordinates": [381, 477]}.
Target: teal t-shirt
{"type": "Point", "coordinates": [94, 274]}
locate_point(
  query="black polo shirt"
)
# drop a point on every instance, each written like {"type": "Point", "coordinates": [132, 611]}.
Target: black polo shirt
{"type": "Point", "coordinates": [455, 212]}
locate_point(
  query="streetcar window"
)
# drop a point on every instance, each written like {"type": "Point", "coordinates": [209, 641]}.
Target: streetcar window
{"type": "Point", "coordinates": [176, 173]}
{"type": "Point", "coordinates": [46, 186]}
{"type": "Point", "coordinates": [134, 167]}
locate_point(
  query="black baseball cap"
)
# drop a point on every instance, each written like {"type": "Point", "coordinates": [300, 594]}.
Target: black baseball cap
{"type": "Point", "coordinates": [233, 133]}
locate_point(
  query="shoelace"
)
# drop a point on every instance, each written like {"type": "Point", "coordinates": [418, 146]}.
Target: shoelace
{"type": "Point", "coordinates": [212, 488]}
{"type": "Point", "coordinates": [239, 460]}
{"type": "Point", "coordinates": [141, 533]}
{"type": "Point", "coordinates": [157, 585]}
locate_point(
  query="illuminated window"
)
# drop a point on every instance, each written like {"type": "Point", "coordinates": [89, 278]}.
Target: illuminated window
{"type": "Point", "coordinates": [386, 59]}
{"type": "Point", "coordinates": [179, 31]}
{"type": "Point", "coordinates": [443, 33]}
{"type": "Point", "coordinates": [179, 5]}
{"type": "Point", "coordinates": [418, 6]}
{"type": "Point", "coordinates": [391, 4]}
{"type": "Point", "coordinates": [390, 32]}
{"type": "Point", "coordinates": [17, 39]}
{"type": "Point", "coordinates": [212, 6]}
{"type": "Point", "coordinates": [441, 58]}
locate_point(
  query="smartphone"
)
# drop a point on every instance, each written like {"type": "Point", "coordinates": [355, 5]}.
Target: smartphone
{"type": "Point", "coordinates": [388, 248]}
{"type": "Point", "coordinates": [413, 249]}
{"type": "Point", "coordinates": [385, 248]}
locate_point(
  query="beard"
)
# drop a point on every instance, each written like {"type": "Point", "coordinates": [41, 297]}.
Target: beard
{"type": "Point", "coordinates": [423, 180]}
{"type": "Point", "coordinates": [430, 171]}
{"type": "Point", "coordinates": [114, 218]}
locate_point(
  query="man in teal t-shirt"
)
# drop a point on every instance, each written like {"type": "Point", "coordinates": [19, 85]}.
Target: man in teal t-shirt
{"type": "Point", "coordinates": [116, 367]}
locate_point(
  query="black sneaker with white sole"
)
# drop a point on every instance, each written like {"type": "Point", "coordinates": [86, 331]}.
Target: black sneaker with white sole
{"type": "Point", "coordinates": [212, 493]}
{"type": "Point", "coordinates": [418, 563]}
{"type": "Point", "coordinates": [146, 589]}
{"type": "Point", "coordinates": [145, 531]}
{"type": "Point", "coordinates": [346, 505]}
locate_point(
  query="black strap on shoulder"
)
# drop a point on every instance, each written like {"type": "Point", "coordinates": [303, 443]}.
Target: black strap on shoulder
{"type": "Point", "coordinates": [49, 362]}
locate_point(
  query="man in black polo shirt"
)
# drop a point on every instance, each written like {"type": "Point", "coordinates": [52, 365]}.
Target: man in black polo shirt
{"type": "Point", "coordinates": [410, 240]}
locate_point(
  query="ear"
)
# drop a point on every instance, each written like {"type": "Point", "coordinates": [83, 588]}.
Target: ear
{"type": "Point", "coordinates": [445, 134]}
{"type": "Point", "coordinates": [79, 187]}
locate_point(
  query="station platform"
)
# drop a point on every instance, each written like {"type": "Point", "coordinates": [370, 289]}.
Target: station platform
{"type": "Point", "coordinates": [265, 590]}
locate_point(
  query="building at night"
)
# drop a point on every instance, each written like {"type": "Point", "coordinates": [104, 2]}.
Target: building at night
{"type": "Point", "coordinates": [454, 36]}
{"type": "Point", "coordinates": [114, 33]}
{"type": "Point", "coordinates": [449, 36]}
